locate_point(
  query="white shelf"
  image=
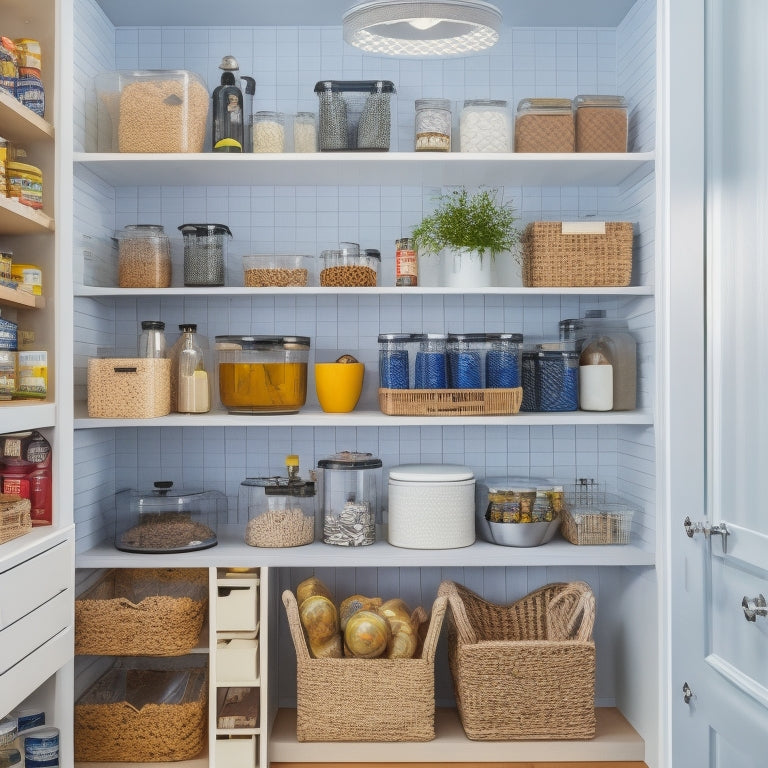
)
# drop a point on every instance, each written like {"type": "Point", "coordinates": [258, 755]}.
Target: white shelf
{"type": "Point", "coordinates": [365, 168]}
{"type": "Point", "coordinates": [312, 416]}
{"type": "Point", "coordinates": [111, 291]}
{"type": "Point", "coordinates": [17, 415]}
{"type": "Point", "coordinates": [232, 551]}
{"type": "Point", "coordinates": [615, 741]}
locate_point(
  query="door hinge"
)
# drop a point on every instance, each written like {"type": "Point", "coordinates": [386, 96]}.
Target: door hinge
{"type": "Point", "coordinates": [708, 530]}
{"type": "Point", "coordinates": [687, 693]}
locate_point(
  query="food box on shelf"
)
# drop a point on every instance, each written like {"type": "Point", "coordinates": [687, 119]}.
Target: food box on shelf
{"type": "Point", "coordinates": [129, 388]}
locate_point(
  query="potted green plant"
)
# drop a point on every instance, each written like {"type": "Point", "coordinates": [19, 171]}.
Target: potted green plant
{"type": "Point", "coordinates": [468, 229]}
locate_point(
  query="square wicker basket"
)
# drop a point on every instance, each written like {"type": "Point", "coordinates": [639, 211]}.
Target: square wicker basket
{"type": "Point", "coordinates": [525, 670]}
{"type": "Point", "coordinates": [15, 517]}
{"type": "Point", "coordinates": [450, 402]}
{"type": "Point", "coordinates": [144, 710]}
{"type": "Point", "coordinates": [554, 256]}
{"type": "Point", "coordinates": [365, 699]}
{"type": "Point", "coordinates": [142, 612]}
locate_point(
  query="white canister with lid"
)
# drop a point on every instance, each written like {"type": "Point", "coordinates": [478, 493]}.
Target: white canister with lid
{"type": "Point", "coordinates": [431, 506]}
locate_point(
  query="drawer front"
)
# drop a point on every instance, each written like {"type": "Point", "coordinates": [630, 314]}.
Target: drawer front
{"type": "Point", "coordinates": [26, 635]}
{"type": "Point", "coordinates": [34, 582]}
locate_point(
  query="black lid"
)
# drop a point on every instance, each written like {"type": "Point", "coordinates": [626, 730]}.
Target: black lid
{"type": "Point", "coordinates": [429, 336]}
{"type": "Point", "coordinates": [152, 325]}
{"type": "Point", "coordinates": [188, 328]}
{"type": "Point", "coordinates": [373, 253]}
{"type": "Point", "coordinates": [467, 337]}
{"type": "Point", "coordinates": [201, 230]}
{"type": "Point", "coordinates": [358, 86]}
{"type": "Point", "coordinates": [516, 338]}
{"type": "Point", "coordinates": [400, 338]}
{"type": "Point", "coordinates": [227, 78]}
{"type": "Point", "coordinates": [350, 460]}
{"type": "Point", "coordinates": [282, 486]}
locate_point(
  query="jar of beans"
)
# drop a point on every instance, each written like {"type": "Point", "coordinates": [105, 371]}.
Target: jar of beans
{"type": "Point", "coordinates": [144, 256]}
{"type": "Point", "coordinates": [268, 132]}
{"type": "Point", "coordinates": [348, 267]}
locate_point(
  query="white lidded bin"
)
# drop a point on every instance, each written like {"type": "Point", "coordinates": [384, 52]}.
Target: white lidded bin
{"type": "Point", "coordinates": [431, 506]}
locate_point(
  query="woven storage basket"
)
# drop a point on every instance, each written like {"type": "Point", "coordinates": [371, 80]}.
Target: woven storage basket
{"type": "Point", "coordinates": [145, 710]}
{"type": "Point", "coordinates": [15, 516]}
{"type": "Point", "coordinates": [450, 402]}
{"type": "Point", "coordinates": [365, 699]}
{"type": "Point", "coordinates": [142, 612]}
{"type": "Point", "coordinates": [552, 258]}
{"type": "Point", "coordinates": [526, 670]}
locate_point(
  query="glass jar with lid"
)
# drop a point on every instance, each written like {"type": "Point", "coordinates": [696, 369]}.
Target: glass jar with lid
{"type": "Point", "coordinates": [431, 363]}
{"type": "Point", "coordinates": [544, 125]}
{"type": "Point", "coordinates": [432, 125]}
{"type": "Point", "coordinates": [268, 131]}
{"type": "Point", "coordinates": [466, 357]}
{"type": "Point", "coordinates": [143, 256]}
{"type": "Point", "coordinates": [152, 339]}
{"type": "Point", "coordinates": [601, 123]}
{"type": "Point", "coordinates": [502, 360]}
{"type": "Point", "coordinates": [205, 248]}
{"type": "Point", "coordinates": [485, 125]}
{"type": "Point", "coordinates": [347, 266]}
{"type": "Point", "coordinates": [305, 132]}
{"type": "Point", "coordinates": [394, 368]}
{"type": "Point", "coordinates": [280, 510]}
{"type": "Point", "coordinates": [350, 498]}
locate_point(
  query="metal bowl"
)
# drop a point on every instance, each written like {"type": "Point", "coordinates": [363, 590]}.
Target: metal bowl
{"type": "Point", "coordinates": [523, 534]}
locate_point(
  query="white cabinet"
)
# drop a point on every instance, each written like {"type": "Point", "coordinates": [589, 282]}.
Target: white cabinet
{"type": "Point", "coordinates": [305, 203]}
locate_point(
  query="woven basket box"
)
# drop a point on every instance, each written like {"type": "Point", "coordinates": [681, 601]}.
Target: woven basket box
{"type": "Point", "coordinates": [577, 254]}
{"type": "Point", "coordinates": [142, 612]}
{"type": "Point", "coordinates": [364, 699]}
{"type": "Point", "coordinates": [129, 388]}
{"type": "Point", "coordinates": [15, 516]}
{"type": "Point", "coordinates": [527, 670]}
{"type": "Point", "coordinates": [144, 710]}
{"type": "Point", "coordinates": [450, 402]}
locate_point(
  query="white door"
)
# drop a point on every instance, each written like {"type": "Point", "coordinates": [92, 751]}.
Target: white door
{"type": "Point", "coordinates": [719, 673]}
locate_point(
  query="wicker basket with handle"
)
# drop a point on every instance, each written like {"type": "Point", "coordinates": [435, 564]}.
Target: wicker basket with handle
{"type": "Point", "coordinates": [555, 256]}
{"type": "Point", "coordinates": [525, 670]}
{"type": "Point", "coordinates": [365, 699]}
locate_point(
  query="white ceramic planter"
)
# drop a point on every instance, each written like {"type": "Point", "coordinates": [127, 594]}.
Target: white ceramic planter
{"type": "Point", "coordinates": [467, 269]}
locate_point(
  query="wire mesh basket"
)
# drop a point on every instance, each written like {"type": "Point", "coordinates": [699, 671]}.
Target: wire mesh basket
{"type": "Point", "coordinates": [594, 516]}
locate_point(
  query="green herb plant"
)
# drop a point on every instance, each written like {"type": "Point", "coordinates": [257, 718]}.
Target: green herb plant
{"type": "Point", "coordinates": [464, 221]}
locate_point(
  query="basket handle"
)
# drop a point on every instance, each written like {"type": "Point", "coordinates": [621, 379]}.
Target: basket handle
{"type": "Point", "coordinates": [467, 635]}
{"type": "Point", "coordinates": [435, 624]}
{"type": "Point", "coordinates": [571, 613]}
{"type": "Point", "coordinates": [294, 624]}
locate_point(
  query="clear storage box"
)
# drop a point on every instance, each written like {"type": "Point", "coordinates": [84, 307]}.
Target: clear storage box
{"type": "Point", "coordinates": [354, 115]}
{"type": "Point", "coordinates": [601, 124]}
{"type": "Point", "coordinates": [164, 519]}
{"type": "Point", "coordinates": [348, 267]}
{"type": "Point", "coordinates": [278, 270]}
{"type": "Point", "coordinates": [545, 125]}
{"type": "Point", "coordinates": [143, 256]}
{"type": "Point", "coordinates": [151, 111]}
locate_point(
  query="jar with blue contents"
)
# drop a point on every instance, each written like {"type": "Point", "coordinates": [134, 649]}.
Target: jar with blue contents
{"type": "Point", "coordinates": [431, 363]}
{"type": "Point", "coordinates": [557, 379]}
{"type": "Point", "coordinates": [502, 360]}
{"type": "Point", "coordinates": [466, 357]}
{"type": "Point", "coordinates": [394, 364]}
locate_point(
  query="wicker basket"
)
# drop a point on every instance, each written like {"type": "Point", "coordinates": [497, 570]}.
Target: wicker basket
{"type": "Point", "coordinates": [450, 402]}
{"type": "Point", "coordinates": [365, 699]}
{"type": "Point", "coordinates": [142, 612]}
{"type": "Point", "coordinates": [15, 517]}
{"type": "Point", "coordinates": [145, 710]}
{"type": "Point", "coordinates": [605, 524]}
{"type": "Point", "coordinates": [526, 670]}
{"type": "Point", "coordinates": [554, 258]}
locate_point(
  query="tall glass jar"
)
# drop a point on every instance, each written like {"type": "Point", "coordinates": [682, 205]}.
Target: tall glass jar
{"type": "Point", "coordinates": [205, 248]}
{"type": "Point", "coordinates": [194, 392]}
{"type": "Point", "coordinates": [152, 339]}
{"type": "Point", "coordinates": [394, 370]}
{"type": "Point", "coordinates": [485, 125]}
{"type": "Point", "coordinates": [431, 365]}
{"type": "Point", "coordinates": [305, 132]}
{"type": "Point", "coordinates": [433, 125]}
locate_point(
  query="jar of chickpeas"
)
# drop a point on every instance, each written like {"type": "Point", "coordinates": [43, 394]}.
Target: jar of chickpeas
{"type": "Point", "coordinates": [144, 256]}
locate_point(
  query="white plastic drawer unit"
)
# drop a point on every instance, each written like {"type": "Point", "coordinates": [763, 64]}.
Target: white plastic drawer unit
{"type": "Point", "coordinates": [36, 602]}
{"type": "Point", "coordinates": [236, 751]}
{"type": "Point", "coordinates": [237, 602]}
{"type": "Point", "coordinates": [237, 659]}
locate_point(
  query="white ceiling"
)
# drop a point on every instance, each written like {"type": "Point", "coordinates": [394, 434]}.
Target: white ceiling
{"type": "Point", "coordinates": [256, 13]}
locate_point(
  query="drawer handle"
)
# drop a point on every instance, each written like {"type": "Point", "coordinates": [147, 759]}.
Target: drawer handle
{"type": "Point", "coordinates": [125, 370]}
{"type": "Point", "coordinates": [225, 591]}
{"type": "Point", "coordinates": [754, 607]}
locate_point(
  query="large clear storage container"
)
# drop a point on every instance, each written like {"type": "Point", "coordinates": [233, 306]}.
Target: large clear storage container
{"type": "Point", "coordinates": [164, 519]}
{"type": "Point", "coordinates": [143, 256]}
{"type": "Point", "coordinates": [155, 110]}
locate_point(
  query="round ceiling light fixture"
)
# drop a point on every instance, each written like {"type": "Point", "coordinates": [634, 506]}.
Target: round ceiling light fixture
{"type": "Point", "coordinates": [415, 28]}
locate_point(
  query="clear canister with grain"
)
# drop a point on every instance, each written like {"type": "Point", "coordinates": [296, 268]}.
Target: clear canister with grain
{"type": "Point", "coordinates": [350, 498]}
{"type": "Point", "coordinates": [305, 132]}
{"type": "Point", "coordinates": [268, 131]}
{"type": "Point", "coordinates": [144, 256]}
{"type": "Point", "coordinates": [601, 123]}
{"type": "Point", "coordinates": [545, 125]}
{"type": "Point", "coordinates": [346, 267]}
{"type": "Point", "coordinates": [278, 270]}
{"type": "Point", "coordinates": [432, 125]}
{"type": "Point", "coordinates": [485, 125]}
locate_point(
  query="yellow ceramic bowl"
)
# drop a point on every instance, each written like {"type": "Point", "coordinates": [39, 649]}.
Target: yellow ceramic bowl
{"type": "Point", "coordinates": [338, 385]}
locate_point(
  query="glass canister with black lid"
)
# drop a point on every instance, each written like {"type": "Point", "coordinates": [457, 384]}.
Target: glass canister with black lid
{"type": "Point", "coordinates": [204, 253]}
{"type": "Point", "coordinates": [466, 357]}
{"type": "Point", "coordinates": [280, 509]}
{"type": "Point", "coordinates": [168, 520]}
{"type": "Point", "coordinates": [394, 360]}
{"type": "Point", "coordinates": [503, 357]}
{"type": "Point", "coordinates": [350, 498]}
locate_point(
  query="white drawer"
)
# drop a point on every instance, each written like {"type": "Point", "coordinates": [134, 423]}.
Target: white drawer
{"type": "Point", "coordinates": [237, 660]}
{"type": "Point", "coordinates": [32, 583]}
{"type": "Point", "coordinates": [237, 603]}
{"type": "Point", "coordinates": [236, 751]}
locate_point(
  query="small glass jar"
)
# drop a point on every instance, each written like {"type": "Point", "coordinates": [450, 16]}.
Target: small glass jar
{"type": "Point", "coordinates": [485, 125]}
{"type": "Point", "coordinates": [432, 125]}
{"type": "Point", "coordinates": [268, 131]}
{"type": "Point", "coordinates": [350, 498]}
{"type": "Point", "coordinates": [431, 364]}
{"type": "Point", "coordinates": [305, 132]}
{"type": "Point", "coordinates": [346, 268]}
{"type": "Point", "coordinates": [502, 360]}
{"type": "Point", "coordinates": [280, 510]}
{"type": "Point", "coordinates": [144, 256]}
{"type": "Point", "coordinates": [152, 339]}
{"type": "Point", "coordinates": [394, 369]}
{"type": "Point", "coordinates": [466, 358]}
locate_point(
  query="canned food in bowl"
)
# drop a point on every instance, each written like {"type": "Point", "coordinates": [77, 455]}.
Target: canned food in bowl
{"type": "Point", "coordinates": [262, 374]}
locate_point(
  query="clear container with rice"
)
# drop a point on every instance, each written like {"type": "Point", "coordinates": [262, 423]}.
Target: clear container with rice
{"type": "Point", "coordinates": [152, 110]}
{"type": "Point", "coordinates": [143, 256]}
{"type": "Point", "coordinates": [164, 519]}
{"type": "Point", "coordinates": [280, 509]}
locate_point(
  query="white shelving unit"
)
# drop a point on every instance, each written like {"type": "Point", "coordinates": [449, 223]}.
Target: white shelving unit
{"type": "Point", "coordinates": [220, 448]}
